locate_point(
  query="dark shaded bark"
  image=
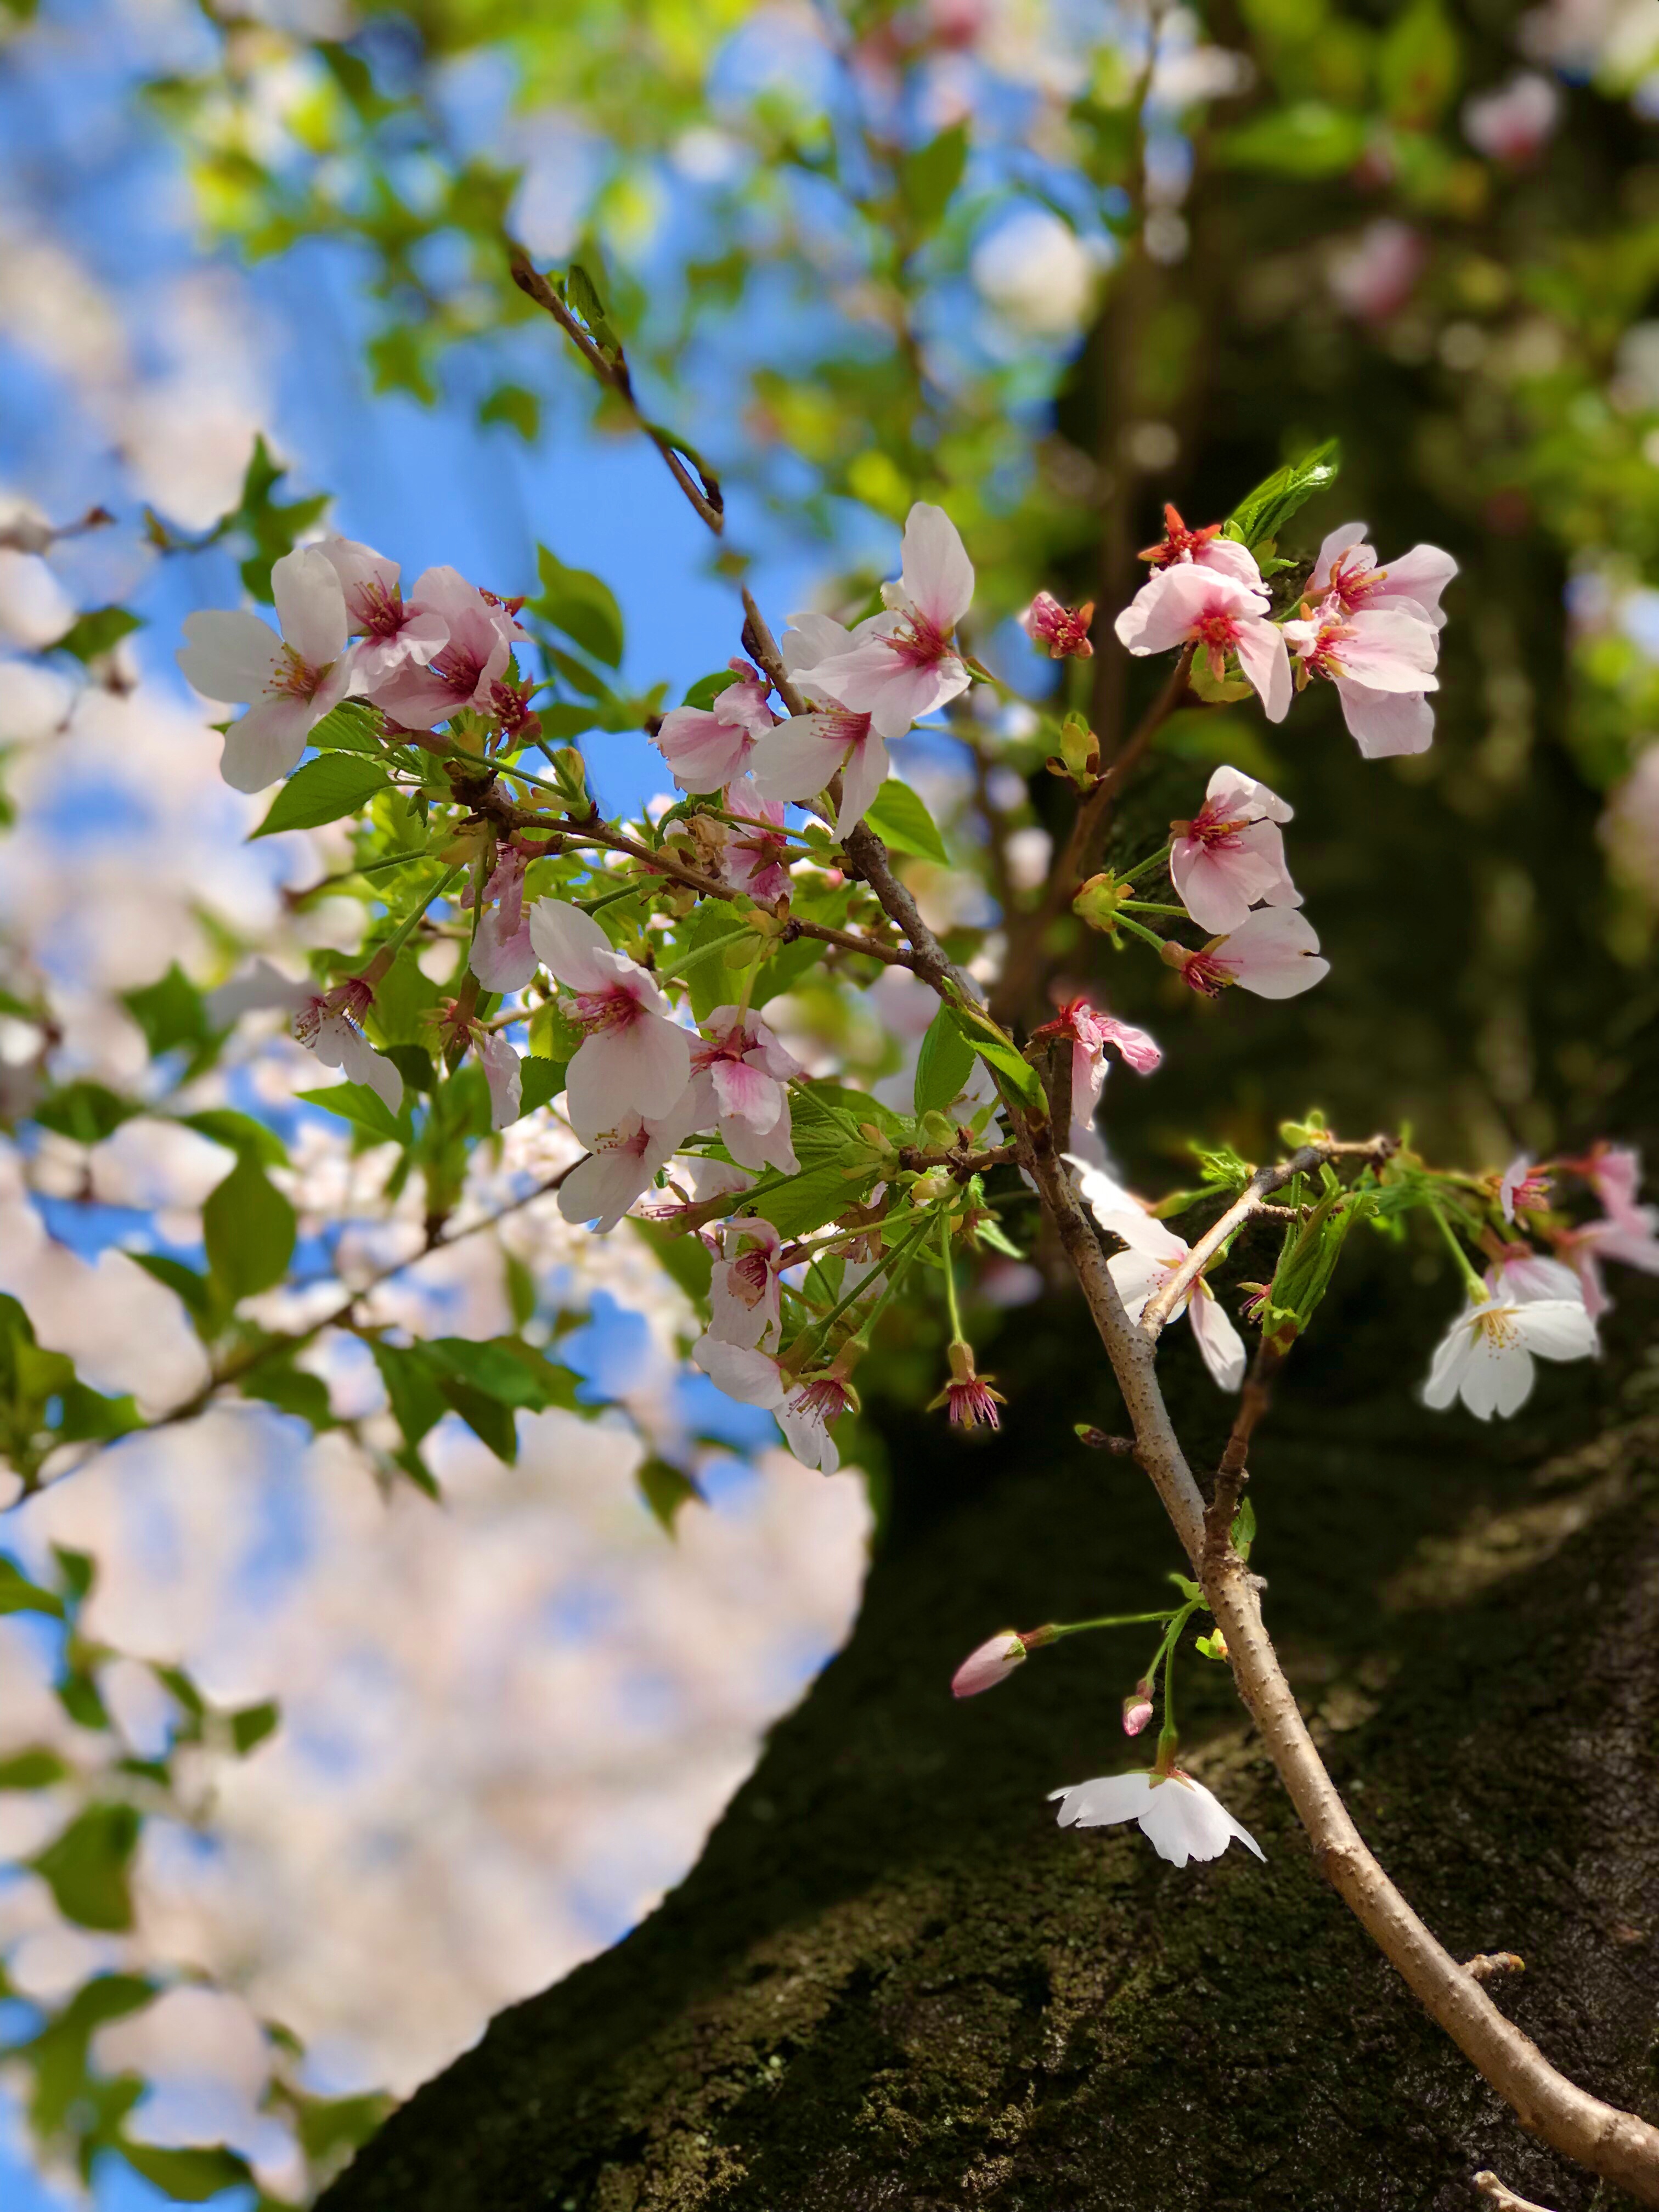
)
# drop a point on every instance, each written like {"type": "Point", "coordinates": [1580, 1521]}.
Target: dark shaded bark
{"type": "Point", "coordinates": [891, 1980]}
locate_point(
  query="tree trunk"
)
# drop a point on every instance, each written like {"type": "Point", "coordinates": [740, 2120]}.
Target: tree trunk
{"type": "Point", "coordinates": [891, 1980]}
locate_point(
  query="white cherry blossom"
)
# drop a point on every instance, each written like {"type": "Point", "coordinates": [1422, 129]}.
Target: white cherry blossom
{"type": "Point", "coordinates": [1180, 1818]}
{"type": "Point", "coordinates": [1485, 1357]}
{"type": "Point", "coordinates": [289, 682]}
{"type": "Point", "coordinates": [394, 636]}
{"type": "Point", "coordinates": [622, 1164]}
{"type": "Point", "coordinates": [901, 665]}
{"type": "Point", "coordinates": [1231, 855]}
{"type": "Point", "coordinates": [634, 1060]}
{"type": "Point", "coordinates": [744, 1296]}
{"type": "Point", "coordinates": [1155, 1252]}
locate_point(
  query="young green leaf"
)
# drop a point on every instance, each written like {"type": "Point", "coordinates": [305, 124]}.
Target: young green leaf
{"type": "Point", "coordinates": [248, 1228]}
{"type": "Point", "coordinates": [944, 1065]}
{"type": "Point", "coordinates": [322, 790]}
{"type": "Point", "coordinates": [899, 819]}
{"type": "Point", "coordinates": [1261, 513]}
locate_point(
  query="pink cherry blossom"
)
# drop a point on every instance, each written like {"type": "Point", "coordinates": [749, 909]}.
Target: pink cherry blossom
{"type": "Point", "coordinates": [1187, 603]}
{"type": "Point", "coordinates": [745, 1297]}
{"type": "Point", "coordinates": [1155, 1253]}
{"type": "Point", "coordinates": [1374, 273]}
{"type": "Point", "coordinates": [1062, 631]}
{"type": "Point", "coordinates": [327, 1022]}
{"type": "Point", "coordinates": [738, 1071]}
{"type": "Point", "coordinates": [756, 859]}
{"type": "Point", "coordinates": [290, 682]}
{"type": "Point", "coordinates": [1628, 1239]}
{"type": "Point", "coordinates": [804, 1411]}
{"type": "Point", "coordinates": [1346, 570]}
{"type": "Point", "coordinates": [1179, 1817]}
{"type": "Point", "coordinates": [1520, 1189]}
{"type": "Point", "coordinates": [799, 758]}
{"type": "Point", "coordinates": [901, 665]}
{"type": "Point", "coordinates": [1274, 952]}
{"type": "Point", "coordinates": [707, 748]}
{"type": "Point", "coordinates": [394, 636]}
{"type": "Point", "coordinates": [1091, 1032]}
{"type": "Point", "coordinates": [1515, 122]}
{"type": "Point", "coordinates": [1206, 548]}
{"type": "Point", "coordinates": [1614, 1174]}
{"type": "Point", "coordinates": [633, 1059]}
{"type": "Point", "coordinates": [622, 1164]}
{"type": "Point", "coordinates": [1525, 1276]}
{"type": "Point", "coordinates": [470, 665]}
{"type": "Point", "coordinates": [1381, 662]}
{"type": "Point", "coordinates": [992, 1663]}
{"type": "Point", "coordinates": [504, 1073]}
{"type": "Point", "coordinates": [1231, 854]}
{"type": "Point", "coordinates": [503, 957]}
{"type": "Point", "coordinates": [1137, 1708]}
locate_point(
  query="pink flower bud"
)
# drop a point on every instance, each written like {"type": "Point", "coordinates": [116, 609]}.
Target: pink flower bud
{"type": "Point", "coordinates": [995, 1659]}
{"type": "Point", "coordinates": [1137, 1708]}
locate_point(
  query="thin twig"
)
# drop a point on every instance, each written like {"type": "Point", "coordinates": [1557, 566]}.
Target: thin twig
{"type": "Point", "coordinates": [1233, 1473]}
{"type": "Point", "coordinates": [1487, 2184]}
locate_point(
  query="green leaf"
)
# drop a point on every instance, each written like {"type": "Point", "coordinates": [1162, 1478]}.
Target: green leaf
{"type": "Point", "coordinates": [540, 1082]}
{"type": "Point", "coordinates": [515, 405]}
{"type": "Point", "coordinates": [89, 1414]}
{"type": "Point", "coordinates": [1263, 512]}
{"type": "Point", "coordinates": [239, 1134]}
{"type": "Point", "coordinates": [31, 1770]}
{"type": "Point", "coordinates": [981, 1033]}
{"type": "Point", "coordinates": [85, 1111]}
{"type": "Point", "coordinates": [414, 1063]}
{"type": "Point", "coordinates": [291, 1389]}
{"type": "Point", "coordinates": [97, 632]}
{"type": "Point", "coordinates": [363, 1108]}
{"type": "Point", "coordinates": [929, 175]}
{"type": "Point", "coordinates": [904, 824]}
{"type": "Point", "coordinates": [582, 605]}
{"type": "Point", "coordinates": [1243, 1529]}
{"type": "Point", "coordinates": [944, 1065]}
{"type": "Point", "coordinates": [330, 2124]}
{"type": "Point", "coordinates": [322, 790]}
{"type": "Point", "coordinates": [170, 1012]}
{"type": "Point", "coordinates": [19, 1594]}
{"type": "Point", "coordinates": [248, 1227]}
{"type": "Point", "coordinates": [706, 689]}
{"type": "Point", "coordinates": [685, 1258]}
{"type": "Point", "coordinates": [818, 1194]}
{"type": "Point", "coordinates": [188, 2177]}
{"type": "Point", "coordinates": [490, 1366]}
{"type": "Point", "coordinates": [270, 525]}
{"type": "Point", "coordinates": [1418, 66]}
{"type": "Point", "coordinates": [86, 1867]}
{"type": "Point", "coordinates": [564, 719]}
{"type": "Point", "coordinates": [350, 727]}
{"type": "Point", "coordinates": [583, 295]}
{"type": "Point", "coordinates": [1307, 140]}
{"type": "Point", "coordinates": [251, 1724]}
{"type": "Point", "coordinates": [417, 1404]}
{"type": "Point", "coordinates": [664, 1488]}
{"type": "Point", "coordinates": [489, 1421]}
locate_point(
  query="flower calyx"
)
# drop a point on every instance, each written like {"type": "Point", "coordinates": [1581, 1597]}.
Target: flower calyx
{"type": "Point", "coordinates": [969, 1396]}
{"type": "Point", "coordinates": [1079, 757]}
{"type": "Point", "coordinates": [1098, 901]}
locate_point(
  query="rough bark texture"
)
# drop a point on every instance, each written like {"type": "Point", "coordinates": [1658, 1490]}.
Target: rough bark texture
{"type": "Point", "coordinates": [890, 1980]}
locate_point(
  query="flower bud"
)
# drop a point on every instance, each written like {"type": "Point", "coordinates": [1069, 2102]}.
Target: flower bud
{"type": "Point", "coordinates": [1099, 900]}
{"type": "Point", "coordinates": [1138, 1708]}
{"type": "Point", "coordinates": [992, 1662]}
{"type": "Point", "coordinates": [1079, 753]}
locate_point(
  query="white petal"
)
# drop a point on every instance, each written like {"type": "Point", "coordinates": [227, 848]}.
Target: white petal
{"type": "Point", "coordinates": [798, 758]}
{"type": "Point", "coordinates": [565, 940]}
{"type": "Point", "coordinates": [1385, 724]}
{"type": "Point", "coordinates": [266, 743]}
{"type": "Point", "coordinates": [231, 655]}
{"type": "Point", "coordinates": [1555, 1328]}
{"type": "Point", "coordinates": [1155, 1240]}
{"type": "Point", "coordinates": [1137, 1278]}
{"type": "Point", "coordinates": [1274, 953]}
{"type": "Point", "coordinates": [939, 577]}
{"type": "Point", "coordinates": [1104, 1801]}
{"type": "Point", "coordinates": [1351, 534]}
{"type": "Point", "coordinates": [309, 605]}
{"type": "Point", "coordinates": [1451, 1359]}
{"type": "Point", "coordinates": [742, 1373]}
{"type": "Point", "coordinates": [1217, 1340]}
{"type": "Point", "coordinates": [860, 780]}
{"type": "Point", "coordinates": [642, 1069]}
{"type": "Point", "coordinates": [603, 1187]}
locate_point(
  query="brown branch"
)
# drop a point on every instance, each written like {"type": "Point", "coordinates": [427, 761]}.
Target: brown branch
{"type": "Point", "coordinates": [848, 941]}
{"type": "Point", "coordinates": [1486, 2183]}
{"type": "Point", "coordinates": [960, 1162]}
{"type": "Point", "coordinates": [704, 492]}
{"type": "Point", "coordinates": [1233, 1473]}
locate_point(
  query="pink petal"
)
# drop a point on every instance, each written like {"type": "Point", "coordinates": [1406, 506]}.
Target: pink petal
{"type": "Point", "coordinates": [1384, 724]}
{"type": "Point", "coordinates": [1274, 953]}
{"type": "Point", "coordinates": [230, 655]}
{"type": "Point", "coordinates": [798, 758]}
{"type": "Point", "coordinates": [1264, 659]}
{"type": "Point", "coordinates": [571, 943]}
{"type": "Point", "coordinates": [309, 605]}
{"type": "Point", "coordinates": [1339, 542]}
{"type": "Point", "coordinates": [939, 577]}
{"type": "Point", "coordinates": [860, 780]}
{"type": "Point", "coordinates": [748, 1094]}
{"type": "Point", "coordinates": [1389, 652]}
{"type": "Point", "coordinates": [702, 752]}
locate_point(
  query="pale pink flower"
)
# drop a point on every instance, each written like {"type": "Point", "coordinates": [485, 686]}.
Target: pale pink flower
{"type": "Point", "coordinates": [1520, 1189]}
{"type": "Point", "coordinates": [797, 760]}
{"type": "Point", "coordinates": [504, 1074]}
{"type": "Point", "coordinates": [1189, 603]}
{"type": "Point", "coordinates": [744, 1294]}
{"type": "Point", "coordinates": [503, 957]}
{"type": "Point", "coordinates": [466, 671]}
{"type": "Point", "coordinates": [707, 748]}
{"type": "Point", "coordinates": [992, 1663]}
{"type": "Point", "coordinates": [1613, 1172]}
{"type": "Point", "coordinates": [1090, 1032]}
{"type": "Point", "coordinates": [1155, 1253]}
{"type": "Point", "coordinates": [1628, 1239]}
{"type": "Point", "coordinates": [1179, 1817]}
{"type": "Point", "coordinates": [1381, 661]}
{"type": "Point", "coordinates": [290, 682]}
{"type": "Point", "coordinates": [1346, 570]}
{"type": "Point", "coordinates": [1205, 547]}
{"type": "Point", "coordinates": [1274, 952]}
{"type": "Point", "coordinates": [738, 1071]}
{"type": "Point", "coordinates": [1524, 1276]}
{"type": "Point", "coordinates": [901, 665]}
{"type": "Point", "coordinates": [327, 1022]}
{"type": "Point", "coordinates": [1374, 273]}
{"type": "Point", "coordinates": [393, 634]}
{"type": "Point", "coordinates": [633, 1059]}
{"type": "Point", "coordinates": [1485, 1357]}
{"type": "Point", "coordinates": [756, 859]}
{"type": "Point", "coordinates": [1514, 123]}
{"type": "Point", "coordinates": [622, 1163]}
{"type": "Point", "coordinates": [803, 1411]}
{"type": "Point", "coordinates": [969, 1397]}
{"type": "Point", "coordinates": [1231, 854]}
{"type": "Point", "coordinates": [1062, 631]}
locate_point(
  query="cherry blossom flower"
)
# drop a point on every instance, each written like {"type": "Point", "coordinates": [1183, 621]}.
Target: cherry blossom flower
{"type": "Point", "coordinates": [707, 747]}
{"type": "Point", "coordinates": [1274, 952]}
{"type": "Point", "coordinates": [1628, 1239]}
{"type": "Point", "coordinates": [289, 682]}
{"type": "Point", "coordinates": [1231, 854]}
{"type": "Point", "coordinates": [1520, 1189]}
{"type": "Point", "coordinates": [1204, 547]}
{"type": "Point", "coordinates": [502, 957]}
{"type": "Point", "coordinates": [992, 1663]}
{"type": "Point", "coordinates": [1375, 272]}
{"type": "Point", "coordinates": [1515, 122]}
{"type": "Point", "coordinates": [1485, 1357]}
{"type": "Point", "coordinates": [327, 1022]}
{"type": "Point", "coordinates": [504, 1073]}
{"type": "Point", "coordinates": [756, 859]}
{"type": "Point", "coordinates": [1137, 1708]}
{"type": "Point", "coordinates": [738, 1071]}
{"type": "Point", "coordinates": [470, 665]}
{"type": "Point", "coordinates": [744, 1294]}
{"type": "Point", "coordinates": [802, 753]}
{"type": "Point", "coordinates": [622, 1164]}
{"type": "Point", "coordinates": [394, 636]}
{"type": "Point", "coordinates": [1155, 1252]}
{"type": "Point", "coordinates": [803, 1411]}
{"type": "Point", "coordinates": [1381, 662]}
{"type": "Point", "coordinates": [1062, 631]}
{"type": "Point", "coordinates": [633, 1060]}
{"type": "Point", "coordinates": [1347, 570]}
{"type": "Point", "coordinates": [1526, 1275]}
{"type": "Point", "coordinates": [900, 665]}
{"type": "Point", "coordinates": [971, 1400]}
{"type": "Point", "coordinates": [1179, 1817]}
{"type": "Point", "coordinates": [1613, 1172]}
{"type": "Point", "coordinates": [1190, 604]}
{"type": "Point", "coordinates": [1090, 1032]}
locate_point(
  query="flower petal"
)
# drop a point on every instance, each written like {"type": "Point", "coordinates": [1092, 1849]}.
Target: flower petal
{"type": "Point", "coordinates": [309, 605]}
{"type": "Point", "coordinates": [231, 655]}
{"type": "Point", "coordinates": [939, 577]}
